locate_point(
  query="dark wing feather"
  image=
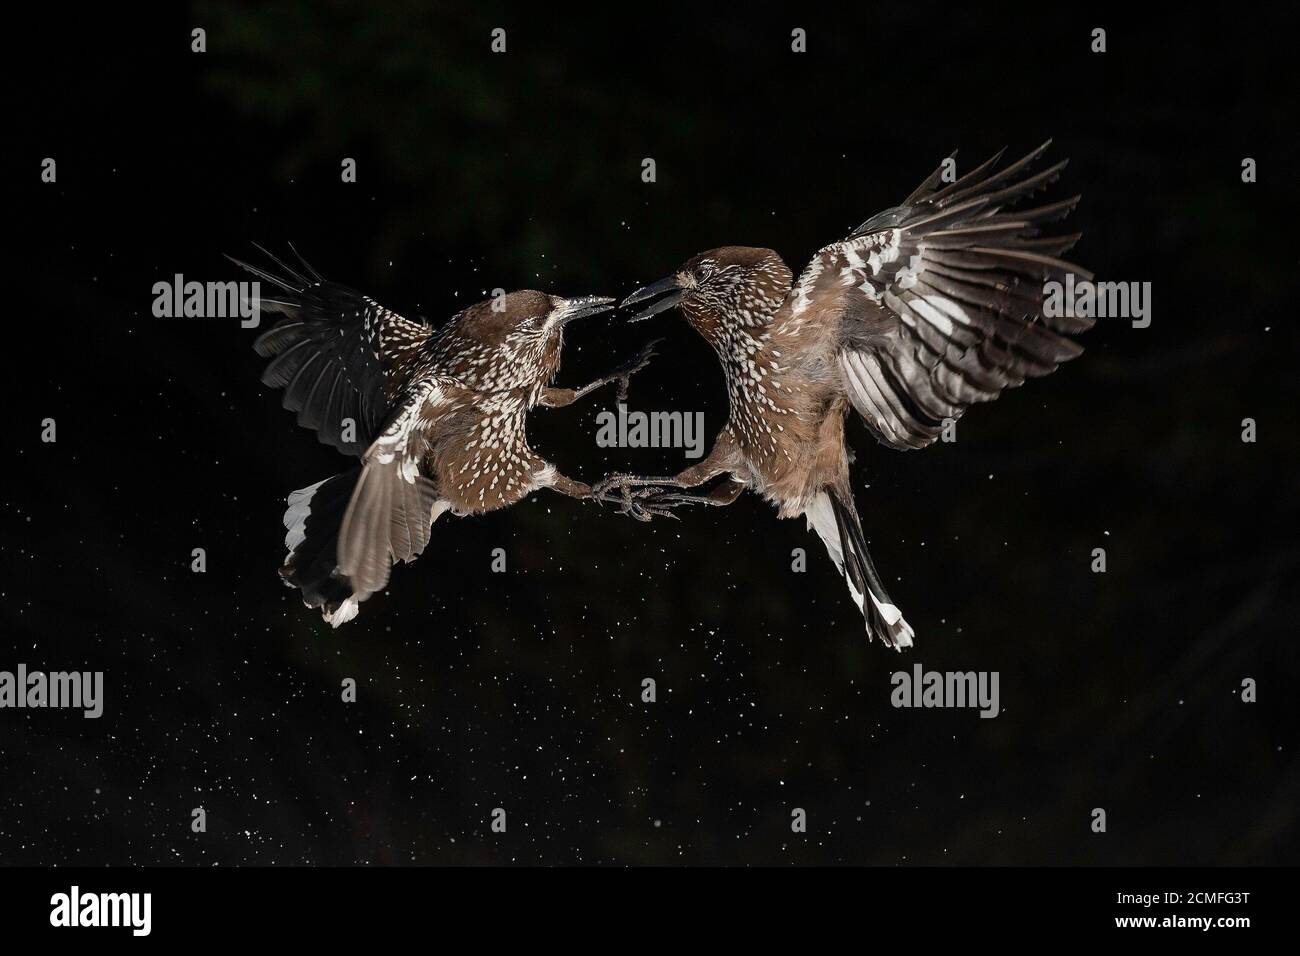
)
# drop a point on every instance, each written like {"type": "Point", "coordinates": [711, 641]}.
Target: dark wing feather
{"type": "Point", "coordinates": [940, 300]}
{"type": "Point", "coordinates": [337, 354]}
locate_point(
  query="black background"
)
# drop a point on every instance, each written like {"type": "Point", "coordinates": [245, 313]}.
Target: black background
{"type": "Point", "coordinates": [522, 690]}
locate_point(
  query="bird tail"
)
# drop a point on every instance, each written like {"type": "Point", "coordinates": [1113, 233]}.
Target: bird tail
{"type": "Point", "coordinates": [835, 520]}
{"type": "Point", "coordinates": [315, 522]}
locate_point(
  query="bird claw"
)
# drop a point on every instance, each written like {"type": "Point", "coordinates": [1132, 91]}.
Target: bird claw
{"type": "Point", "coordinates": [667, 499]}
{"type": "Point", "coordinates": [623, 374]}
{"type": "Point", "coordinates": [633, 501]}
{"type": "Point", "coordinates": [602, 488]}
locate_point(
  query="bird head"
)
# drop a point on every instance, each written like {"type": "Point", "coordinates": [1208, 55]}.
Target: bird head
{"type": "Point", "coordinates": [732, 284]}
{"type": "Point", "coordinates": [528, 317]}
{"type": "Point", "coordinates": [514, 339]}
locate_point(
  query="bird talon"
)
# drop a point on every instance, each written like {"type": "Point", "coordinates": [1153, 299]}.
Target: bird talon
{"type": "Point", "coordinates": [602, 488]}
{"type": "Point", "coordinates": [623, 374]}
{"type": "Point", "coordinates": [615, 490]}
{"type": "Point", "coordinates": [633, 499]}
{"type": "Point", "coordinates": [658, 497]}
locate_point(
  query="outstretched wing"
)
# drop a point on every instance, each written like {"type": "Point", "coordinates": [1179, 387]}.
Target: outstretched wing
{"type": "Point", "coordinates": [339, 355]}
{"type": "Point", "coordinates": [939, 301]}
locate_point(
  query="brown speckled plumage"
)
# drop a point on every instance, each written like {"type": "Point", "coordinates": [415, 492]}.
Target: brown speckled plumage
{"type": "Point", "coordinates": [921, 311]}
{"type": "Point", "coordinates": [436, 417]}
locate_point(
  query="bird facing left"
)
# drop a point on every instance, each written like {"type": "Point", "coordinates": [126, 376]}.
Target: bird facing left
{"type": "Point", "coordinates": [436, 418]}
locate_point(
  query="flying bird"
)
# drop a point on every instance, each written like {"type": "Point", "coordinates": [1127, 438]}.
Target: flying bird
{"type": "Point", "coordinates": [921, 311]}
{"type": "Point", "coordinates": [436, 417]}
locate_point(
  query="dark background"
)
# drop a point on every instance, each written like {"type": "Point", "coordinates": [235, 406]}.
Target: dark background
{"type": "Point", "coordinates": [522, 690]}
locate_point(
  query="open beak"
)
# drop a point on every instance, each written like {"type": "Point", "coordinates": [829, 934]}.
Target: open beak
{"type": "Point", "coordinates": [584, 306]}
{"type": "Point", "coordinates": [661, 296]}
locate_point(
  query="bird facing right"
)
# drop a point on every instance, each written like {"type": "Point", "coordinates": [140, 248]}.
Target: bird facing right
{"type": "Point", "coordinates": [923, 310]}
{"type": "Point", "coordinates": [436, 417]}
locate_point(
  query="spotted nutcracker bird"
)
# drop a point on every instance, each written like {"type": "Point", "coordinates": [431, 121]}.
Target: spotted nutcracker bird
{"type": "Point", "coordinates": [921, 311]}
{"type": "Point", "coordinates": [436, 417]}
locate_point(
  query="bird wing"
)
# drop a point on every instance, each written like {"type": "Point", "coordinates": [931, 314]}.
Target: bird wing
{"type": "Point", "coordinates": [392, 507]}
{"type": "Point", "coordinates": [939, 301]}
{"type": "Point", "coordinates": [337, 354]}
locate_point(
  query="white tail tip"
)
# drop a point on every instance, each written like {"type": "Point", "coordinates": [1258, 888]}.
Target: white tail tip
{"type": "Point", "coordinates": [346, 612]}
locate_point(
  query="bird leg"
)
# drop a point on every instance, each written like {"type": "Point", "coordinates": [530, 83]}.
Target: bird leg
{"type": "Point", "coordinates": [626, 501]}
{"type": "Point", "coordinates": [651, 496]}
{"type": "Point", "coordinates": [569, 486]}
{"type": "Point", "coordinates": [559, 397]}
{"type": "Point", "coordinates": [721, 496]}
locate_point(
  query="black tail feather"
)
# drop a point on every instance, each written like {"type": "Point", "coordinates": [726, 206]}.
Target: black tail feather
{"type": "Point", "coordinates": [345, 533]}
{"type": "Point", "coordinates": [883, 617]}
{"type": "Point", "coordinates": [313, 520]}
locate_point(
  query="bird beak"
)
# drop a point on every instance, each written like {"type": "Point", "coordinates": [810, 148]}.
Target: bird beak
{"type": "Point", "coordinates": [584, 306]}
{"type": "Point", "coordinates": [669, 288]}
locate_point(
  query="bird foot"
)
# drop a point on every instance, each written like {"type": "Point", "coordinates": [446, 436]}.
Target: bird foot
{"type": "Point", "coordinates": [669, 498]}
{"type": "Point", "coordinates": [637, 502]}
{"type": "Point", "coordinates": [623, 374]}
